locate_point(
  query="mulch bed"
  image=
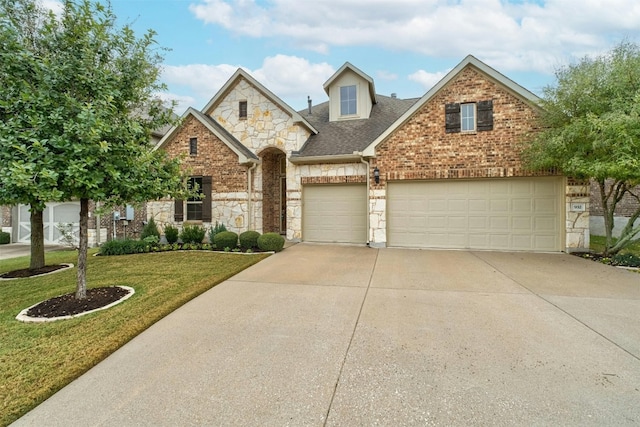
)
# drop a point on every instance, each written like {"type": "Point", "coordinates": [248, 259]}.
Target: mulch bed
{"type": "Point", "coordinates": [68, 305]}
{"type": "Point", "coordinates": [18, 274]}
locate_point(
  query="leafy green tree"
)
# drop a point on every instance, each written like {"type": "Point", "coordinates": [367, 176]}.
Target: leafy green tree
{"type": "Point", "coordinates": [98, 106]}
{"type": "Point", "coordinates": [590, 129]}
{"type": "Point", "coordinates": [28, 174]}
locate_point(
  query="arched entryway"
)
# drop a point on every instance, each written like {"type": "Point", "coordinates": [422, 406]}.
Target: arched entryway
{"type": "Point", "coordinates": [274, 191]}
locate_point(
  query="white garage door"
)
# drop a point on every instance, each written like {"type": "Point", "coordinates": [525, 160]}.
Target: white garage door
{"type": "Point", "coordinates": [502, 214]}
{"type": "Point", "coordinates": [53, 215]}
{"type": "Point", "coordinates": [334, 213]}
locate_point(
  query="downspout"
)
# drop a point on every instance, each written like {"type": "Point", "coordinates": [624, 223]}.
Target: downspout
{"type": "Point", "coordinates": [366, 162]}
{"type": "Point", "coordinates": [250, 194]}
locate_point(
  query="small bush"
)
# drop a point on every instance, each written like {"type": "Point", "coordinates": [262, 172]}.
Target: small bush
{"type": "Point", "coordinates": [4, 238]}
{"type": "Point", "coordinates": [192, 234]}
{"type": "Point", "coordinates": [218, 228]}
{"type": "Point", "coordinates": [627, 260]}
{"type": "Point", "coordinates": [271, 242]}
{"type": "Point", "coordinates": [152, 240]}
{"type": "Point", "coordinates": [150, 229]}
{"type": "Point", "coordinates": [226, 239]}
{"type": "Point", "coordinates": [249, 239]}
{"type": "Point", "coordinates": [171, 234]}
{"type": "Point", "coordinates": [124, 247]}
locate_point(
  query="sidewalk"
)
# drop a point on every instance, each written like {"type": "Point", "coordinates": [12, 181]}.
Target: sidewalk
{"type": "Point", "coordinates": [15, 250]}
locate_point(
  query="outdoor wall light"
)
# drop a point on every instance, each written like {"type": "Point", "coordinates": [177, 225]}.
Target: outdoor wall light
{"type": "Point", "coordinates": [376, 175]}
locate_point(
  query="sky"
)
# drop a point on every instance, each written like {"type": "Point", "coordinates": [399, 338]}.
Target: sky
{"type": "Point", "coordinates": [293, 46]}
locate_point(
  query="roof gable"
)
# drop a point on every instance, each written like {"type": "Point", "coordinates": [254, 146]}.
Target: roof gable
{"type": "Point", "coordinates": [347, 66]}
{"type": "Point", "coordinates": [244, 154]}
{"type": "Point", "coordinates": [469, 61]}
{"type": "Point", "coordinates": [242, 74]}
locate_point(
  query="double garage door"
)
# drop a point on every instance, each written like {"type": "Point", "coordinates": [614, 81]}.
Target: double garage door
{"type": "Point", "coordinates": [501, 214]}
{"type": "Point", "coordinates": [524, 214]}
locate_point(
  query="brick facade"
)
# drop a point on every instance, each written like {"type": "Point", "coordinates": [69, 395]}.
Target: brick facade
{"type": "Point", "coordinates": [420, 149]}
{"type": "Point", "coordinates": [214, 157]}
{"type": "Point", "coordinates": [625, 208]}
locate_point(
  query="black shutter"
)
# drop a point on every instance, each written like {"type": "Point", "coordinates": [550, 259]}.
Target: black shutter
{"type": "Point", "coordinates": [452, 118]}
{"type": "Point", "coordinates": [179, 211]}
{"type": "Point", "coordinates": [485, 115]}
{"type": "Point", "coordinates": [206, 201]}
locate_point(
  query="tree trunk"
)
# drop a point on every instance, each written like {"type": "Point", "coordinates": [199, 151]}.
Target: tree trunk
{"type": "Point", "coordinates": [37, 239]}
{"type": "Point", "coordinates": [81, 287]}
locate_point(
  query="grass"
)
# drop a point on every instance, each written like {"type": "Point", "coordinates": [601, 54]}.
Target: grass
{"type": "Point", "coordinates": [36, 360]}
{"type": "Point", "coordinates": [597, 246]}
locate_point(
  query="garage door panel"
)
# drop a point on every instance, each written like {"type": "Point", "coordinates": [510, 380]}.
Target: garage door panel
{"type": "Point", "coordinates": [335, 213]}
{"type": "Point", "coordinates": [509, 214]}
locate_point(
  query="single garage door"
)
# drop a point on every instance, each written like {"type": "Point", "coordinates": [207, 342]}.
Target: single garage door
{"type": "Point", "coordinates": [523, 214]}
{"type": "Point", "coordinates": [334, 213]}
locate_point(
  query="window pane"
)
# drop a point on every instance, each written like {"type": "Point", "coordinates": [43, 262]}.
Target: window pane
{"type": "Point", "coordinates": [195, 183]}
{"type": "Point", "coordinates": [193, 146]}
{"type": "Point", "coordinates": [194, 211]}
{"type": "Point", "coordinates": [468, 117]}
{"type": "Point", "coordinates": [348, 103]}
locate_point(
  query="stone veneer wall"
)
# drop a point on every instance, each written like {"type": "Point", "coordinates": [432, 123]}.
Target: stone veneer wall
{"type": "Point", "coordinates": [299, 175]}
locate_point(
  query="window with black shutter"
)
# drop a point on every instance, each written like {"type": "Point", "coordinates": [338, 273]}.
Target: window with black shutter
{"type": "Point", "coordinates": [469, 117]}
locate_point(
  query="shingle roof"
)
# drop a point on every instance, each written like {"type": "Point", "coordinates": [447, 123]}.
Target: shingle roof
{"type": "Point", "coordinates": [347, 136]}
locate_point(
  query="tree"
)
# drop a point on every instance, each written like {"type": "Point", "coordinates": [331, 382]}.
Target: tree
{"type": "Point", "coordinates": [99, 86]}
{"type": "Point", "coordinates": [28, 174]}
{"type": "Point", "coordinates": [590, 129]}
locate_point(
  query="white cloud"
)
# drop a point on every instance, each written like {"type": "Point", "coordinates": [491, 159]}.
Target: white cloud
{"type": "Point", "coordinates": [289, 77]}
{"type": "Point", "coordinates": [53, 5]}
{"type": "Point", "coordinates": [427, 80]}
{"type": "Point", "coordinates": [523, 35]}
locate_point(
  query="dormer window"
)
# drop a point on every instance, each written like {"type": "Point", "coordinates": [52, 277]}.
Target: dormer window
{"type": "Point", "coordinates": [348, 101]}
{"type": "Point", "coordinates": [242, 110]}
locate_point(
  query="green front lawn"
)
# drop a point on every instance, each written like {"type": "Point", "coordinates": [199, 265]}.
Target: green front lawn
{"type": "Point", "coordinates": [597, 246]}
{"type": "Point", "coordinates": [36, 360]}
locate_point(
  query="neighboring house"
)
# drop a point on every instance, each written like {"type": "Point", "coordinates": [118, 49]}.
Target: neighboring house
{"type": "Point", "coordinates": [441, 171]}
{"type": "Point", "coordinates": [16, 220]}
{"type": "Point", "coordinates": [624, 210]}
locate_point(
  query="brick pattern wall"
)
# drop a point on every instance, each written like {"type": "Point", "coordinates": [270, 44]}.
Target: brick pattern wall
{"type": "Point", "coordinates": [214, 158]}
{"type": "Point", "coordinates": [349, 179]}
{"type": "Point", "coordinates": [626, 207]}
{"type": "Point", "coordinates": [420, 149]}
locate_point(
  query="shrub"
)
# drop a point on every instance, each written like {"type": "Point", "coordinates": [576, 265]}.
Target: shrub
{"type": "Point", "coordinates": [150, 229]}
{"type": "Point", "coordinates": [151, 240]}
{"type": "Point", "coordinates": [627, 260]}
{"type": "Point", "coordinates": [171, 234]}
{"type": "Point", "coordinates": [249, 239]}
{"type": "Point", "coordinates": [124, 247]}
{"type": "Point", "coordinates": [226, 239]}
{"type": "Point", "coordinates": [218, 228]}
{"type": "Point", "coordinates": [192, 234]}
{"type": "Point", "coordinates": [4, 238]}
{"type": "Point", "coordinates": [271, 242]}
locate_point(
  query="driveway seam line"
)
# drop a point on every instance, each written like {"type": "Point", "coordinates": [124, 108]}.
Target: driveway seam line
{"type": "Point", "coordinates": [559, 308]}
{"type": "Point", "coordinates": [353, 333]}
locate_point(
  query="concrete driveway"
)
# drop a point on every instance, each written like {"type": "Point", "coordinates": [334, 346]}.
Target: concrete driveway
{"type": "Point", "coordinates": [352, 336]}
